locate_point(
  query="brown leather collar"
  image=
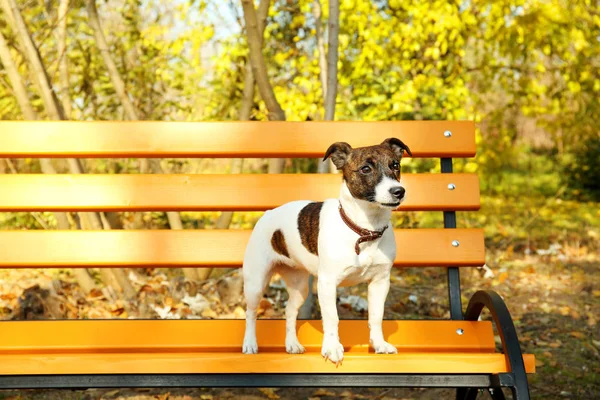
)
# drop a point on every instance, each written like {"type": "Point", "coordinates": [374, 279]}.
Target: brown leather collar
{"type": "Point", "coordinates": [365, 234]}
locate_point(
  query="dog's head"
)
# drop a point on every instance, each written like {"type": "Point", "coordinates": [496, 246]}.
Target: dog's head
{"type": "Point", "coordinates": [371, 173]}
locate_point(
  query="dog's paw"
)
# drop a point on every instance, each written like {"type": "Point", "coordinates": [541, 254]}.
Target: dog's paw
{"type": "Point", "coordinates": [293, 346]}
{"type": "Point", "coordinates": [384, 348]}
{"type": "Point", "coordinates": [333, 351]}
{"type": "Point", "coordinates": [250, 346]}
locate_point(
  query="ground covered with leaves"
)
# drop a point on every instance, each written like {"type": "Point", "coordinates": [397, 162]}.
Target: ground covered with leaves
{"type": "Point", "coordinates": [554, 297]}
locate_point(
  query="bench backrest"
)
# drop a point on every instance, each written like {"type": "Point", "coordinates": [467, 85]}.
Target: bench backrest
{"type": "Point", "coordinates": [445, 192]}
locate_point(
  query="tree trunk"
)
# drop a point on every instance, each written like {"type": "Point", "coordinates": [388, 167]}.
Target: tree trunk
{"type": "Point", "coordinates": [15, 80]}
{"type": "Point", "coordinates": [115, 77]}
{"type": "Point", "coordinates": [224, 220]}
{"type": "Point", "coordinates": [326, 166]}
{"type": "Point", "coordinates": [82, 276]}
{"type": "Point", "coordinates": [318, 15]}
{"type": "Point", "coordinates": [332, 59]}
{"type": "Point", "coordinates": [193, 274]}
{"type": "Point", "coordinates": [259, 68]}
{"type": "Point", "coordinates": [116, 276]}
{"type": "Point", "coordinates": [130, 110]}
{"type": "Point", "coordinates": [63, 62]}
{"type": "Point", "coordinates": [33, 56]}
{"type": "Point", "coordinates": [55, 112]}
{"type": "Point", "coordinates": [259, 71]}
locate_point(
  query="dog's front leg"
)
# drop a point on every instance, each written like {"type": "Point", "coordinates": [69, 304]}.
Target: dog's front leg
{"type": "Point", "coordinates": [378, 290]}
{"type": "Point", "coordinates": [332, 348]}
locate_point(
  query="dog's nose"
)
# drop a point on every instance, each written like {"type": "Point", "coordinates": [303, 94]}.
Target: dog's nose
{"type": "Point", "coordinates": [397, 192]}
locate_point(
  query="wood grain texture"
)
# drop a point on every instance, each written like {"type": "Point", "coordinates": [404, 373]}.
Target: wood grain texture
{"type": "Point", "coordinates": [209, 248]}
{"type": "Point", "coordinates": [226, 139]}
{"type": "Point", "coordinates": [248, 192]}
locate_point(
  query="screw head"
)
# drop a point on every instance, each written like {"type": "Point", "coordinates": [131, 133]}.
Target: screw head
{"type": "Point", "coordinates": [451, 186]}
{"type": "Point", "coordinates": [447, 133]}
{"type": "Point", "coordinates": [455, 243]}
{"type": "Point", "coordinates": [460, 331]}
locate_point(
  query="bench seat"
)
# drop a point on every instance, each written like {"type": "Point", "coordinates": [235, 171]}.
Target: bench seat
{"type": "Point", "coordinates": [213, 346]}
{"type": "Point", "coordinates": [460, 353]}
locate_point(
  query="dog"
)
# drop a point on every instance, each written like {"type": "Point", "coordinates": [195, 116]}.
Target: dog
{"type": "Point", "coordinates": [342, 241]}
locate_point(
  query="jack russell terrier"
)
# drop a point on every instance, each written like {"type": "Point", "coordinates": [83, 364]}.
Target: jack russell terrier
{"type": "Point", "coordinates": [342, 241]}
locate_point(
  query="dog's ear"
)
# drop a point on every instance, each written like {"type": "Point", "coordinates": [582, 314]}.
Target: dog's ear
{"type": "Point", "coordinates": [339, 152]}
{"type": "Point", "coordinates": [397, 146]}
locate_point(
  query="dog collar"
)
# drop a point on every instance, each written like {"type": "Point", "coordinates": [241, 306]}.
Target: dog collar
{"type": "Point", "coordinates": [365, 234]}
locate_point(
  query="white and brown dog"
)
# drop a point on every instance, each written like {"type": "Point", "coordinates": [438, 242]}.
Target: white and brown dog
{"type": "Point", "coordinates": [343, 241]}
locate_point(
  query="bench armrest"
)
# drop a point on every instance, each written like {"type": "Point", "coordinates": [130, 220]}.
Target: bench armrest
{"type": "Point", "coordinates": [508, 334]}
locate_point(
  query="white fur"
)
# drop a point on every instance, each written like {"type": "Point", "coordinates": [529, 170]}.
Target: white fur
{"type": "Point", "coordinates": [382, 191]}
{"type": "Point", "coordinates": [336, 265]}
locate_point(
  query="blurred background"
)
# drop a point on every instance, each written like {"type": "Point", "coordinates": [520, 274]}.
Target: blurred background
{"type": "Point", "coordinates": [526, 71]}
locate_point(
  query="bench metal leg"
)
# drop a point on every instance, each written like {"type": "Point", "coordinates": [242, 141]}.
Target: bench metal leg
{"type": "Point", "coordinates": [508, 334]}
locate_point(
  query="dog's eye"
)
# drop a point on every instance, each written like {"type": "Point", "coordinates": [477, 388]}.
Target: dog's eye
{"type": "Point", "coordinates": [396, 165]}
{"type": "Point", "coordinates": [366, 169]}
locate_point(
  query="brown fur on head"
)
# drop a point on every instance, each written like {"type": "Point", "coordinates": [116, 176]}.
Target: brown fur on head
{"type": "Point", "coordinates": [364, 167]}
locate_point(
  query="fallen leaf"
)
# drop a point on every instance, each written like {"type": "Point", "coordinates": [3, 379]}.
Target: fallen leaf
{"type": "Point", "coordinates": [8, 296]}
{"type": "Point", "coordinates": [239, 312]}
{"type": "Point", "coordinates": [269, 392]}
{"type": "Point", "coordinates": [556, 345]}
{"type": "Point", "coordinates": [502, 277]}
{"type": "Point", "coordinates": [269, 313]}
{"type": "Point", "coordinates": [539, 363]}
{"type": "Point", "coordinates": [578, 335]}
{"type": "Point", "coordinates": [209, 313]}
{"type": "Point", "coordinates": [118, 311]}
{"type": "Point", "coordinates": [530, 269]}
{"type": "Point", "coordinates": [565, 310]}
{"type": "Point", "coordinates": [263, 306]}
{"type": "Point", "coordinates": [547, 354]}
{"type": "Point", "coordinates": [323, 392]}
{"type": "Point", "coordinates": [596, 293]}
{"type": "Point", "coordinates": [591, 319]}
{"type": "Point", "coordinates": [206, 397]}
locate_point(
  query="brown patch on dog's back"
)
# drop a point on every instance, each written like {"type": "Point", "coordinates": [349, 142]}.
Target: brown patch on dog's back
{"type": "Point", "coordinates": [308, 226]}
{"type": "Point", "coordinates": [278, 243]}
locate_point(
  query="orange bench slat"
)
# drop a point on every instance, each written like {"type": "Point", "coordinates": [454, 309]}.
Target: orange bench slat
{"type": "Point", "coordinates": [162, 336]}
{"type": "Point", "coordinates": [214, 346]}
{"type": "Point", "coordinates": [226, 139]}
{"type": "Point", "coordinates": [213, 363]}
{"type": "Point", "coordinates": [248, 192]}
{"type": "Point", "coordinates": [218, 248]}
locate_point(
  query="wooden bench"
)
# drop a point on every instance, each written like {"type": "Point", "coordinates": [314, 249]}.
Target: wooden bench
{"type": "Point", "coordinates": [456, 353]}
